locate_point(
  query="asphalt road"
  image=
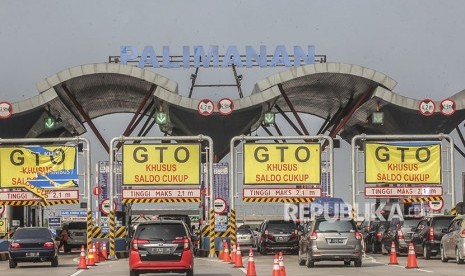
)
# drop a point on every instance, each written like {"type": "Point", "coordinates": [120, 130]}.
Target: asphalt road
{"type": "Point", "coordinates": [372, 265]}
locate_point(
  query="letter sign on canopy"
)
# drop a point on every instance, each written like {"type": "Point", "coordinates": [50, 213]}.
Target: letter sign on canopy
{"type": "Point", "coordinates": [406, 163]}
{"type": "Point", "coordinates": [282, 164]}
{"type": "Point", "coordinates": [161, 164]}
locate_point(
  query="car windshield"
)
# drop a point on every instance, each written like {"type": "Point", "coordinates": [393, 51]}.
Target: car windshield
{"type": "Point", "coordinates": [77, 225]}
{"type": "Point", "coordinates": [244, 232]}
{"type": "Point", "coordinates": [31, 233]}
{"type": "Point", "coordinates": [406, 223]}
{"type": "Point", "coordinates": [160, 232]}
{"type": "Point", "coordinates": [281, 227]}
{"type": "Point", "coordinates": [335, 226]}
{"type": "Point", "coordinates": [441, 223]}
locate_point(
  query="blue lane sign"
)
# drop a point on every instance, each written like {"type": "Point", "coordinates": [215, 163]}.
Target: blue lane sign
{"type": "Point", "coordinates": [219, 227]}
{"type": "Point", "coordinates": [105, 230]}
{"type": "Point", "coordinates": [54, 222]}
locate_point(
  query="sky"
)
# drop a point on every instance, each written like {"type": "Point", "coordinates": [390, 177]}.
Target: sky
{"type": "Point", "coordinates": [418, 43]}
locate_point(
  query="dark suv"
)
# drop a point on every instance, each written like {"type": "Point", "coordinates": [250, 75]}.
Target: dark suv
{"type": "Point", "coordinates": [428, 234]}
{"type": "Point", "coordinates": [77, 235]}
{"type": "Point", "coordinates": [400, 231]}
{"type": "Point", "coordinates": [278, 235]}
{"type": "Point", "coordinates": [163, 246]}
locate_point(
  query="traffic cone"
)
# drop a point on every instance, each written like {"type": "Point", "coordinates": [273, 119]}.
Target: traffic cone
{"type": "Point", "coordinates": [82, 259]}
{"type": "Point", "coordinates": [282, 269]}
{"type": "Point", "coordinates": [221, 253]}
{"type": "Point", "coordinates": [97, 252]}
{"type": "Point", "coordinates": [238, 262]}
{"type": "Point", "coordinates": [94, 251]}
{"type": "Point", "coordinates": [233, 254]}
{"type": "Point", "coordinates": [276, 271]}
{"type": "Point", "coordinates": [412, 258]}
{"type": "Point", "coordinates": [90, 257]}
{"type": "Point", "coordinates": [251, 265]}
{"type": "Point", "coordinates": [104, 251]}
{"type": "Point", "coordinates": [393, 257]}
{"type": "Point", "coordinates": [226, 256]}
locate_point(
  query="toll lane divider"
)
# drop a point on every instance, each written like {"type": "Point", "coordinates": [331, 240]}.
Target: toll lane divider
{"type": "Point", "coordinates": [422, 199]}
{"type": "Point", "coordinates": [275, 199]}
{"type": "Point", "coordinates": [160, 200]}
{"type": "Point", "coordinates": [41, 203]}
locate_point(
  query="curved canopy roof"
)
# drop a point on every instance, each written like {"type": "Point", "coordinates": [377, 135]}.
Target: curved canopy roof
{"type": "Point", "coordinates": [344, 95]}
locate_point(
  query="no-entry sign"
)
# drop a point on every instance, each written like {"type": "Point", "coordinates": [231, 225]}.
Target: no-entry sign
{"type": "Point", "coordinates": [219, 205]}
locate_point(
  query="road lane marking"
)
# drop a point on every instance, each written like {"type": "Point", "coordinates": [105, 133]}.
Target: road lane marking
{"type": "Point", "coordinates": [77, 272]}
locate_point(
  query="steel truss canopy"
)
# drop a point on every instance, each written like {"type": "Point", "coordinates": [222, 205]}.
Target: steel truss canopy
{"type": "Point", "coordinates": [344, 95]}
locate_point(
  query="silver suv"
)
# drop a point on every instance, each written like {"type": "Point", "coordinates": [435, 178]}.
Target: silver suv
{"type": "Point", "coordinates": [77, 235]}
{"type": "Point", "coordinates": [453, 241]}
{"type": "Point", "coordinates": [331, 240]}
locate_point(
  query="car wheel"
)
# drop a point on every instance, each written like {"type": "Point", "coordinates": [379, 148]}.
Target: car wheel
{"type": "Point", "coordinates": [12, 263]}
{"type": "Point", "coordinates": [346, 263]}
{"type": "Point", "coordinates": [444, 259]}
{"type": "Point", "coordinates": [426, 253]}
{"type": "Point", "coordinates": [54, 262]}
{"type": "Point", "coordinates": [309, 263]}
{"type": "Point", "coordinates": [458, 258]}
{"type": "Point", "coordinates": [358, 263]}
{"type": "Point", "coordinates": [190, 272]}
{"type": "Point", "coordinates": [301, 261]}
{"type": "Point", "coordinates": [133, 273]}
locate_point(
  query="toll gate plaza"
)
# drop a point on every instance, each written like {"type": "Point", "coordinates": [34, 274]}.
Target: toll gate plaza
{"type": "Point", "coordinates": [390, 135]}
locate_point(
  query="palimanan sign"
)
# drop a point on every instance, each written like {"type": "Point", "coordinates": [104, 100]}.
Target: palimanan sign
{"type": "Point", "coordinates": [212, 57]}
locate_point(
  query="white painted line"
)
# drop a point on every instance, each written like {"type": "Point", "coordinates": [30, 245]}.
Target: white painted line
{"type": "Point", "coordinates": [243, 270]}
{"type": "Point", "coordinates": [77, 272]}
{"type": "Point", "coordinates": [423, 270]}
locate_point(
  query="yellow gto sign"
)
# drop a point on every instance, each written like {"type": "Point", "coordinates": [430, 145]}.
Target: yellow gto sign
{"type": "Point", "coordinates": [282, 164]}
{"type": "Point", "coordinates": [161, 164]}
{"type": "Point", "coordinates": [390, 163]}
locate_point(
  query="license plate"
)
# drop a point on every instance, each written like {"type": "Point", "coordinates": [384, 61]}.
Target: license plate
{"type": "Point", "coordinates": [280, 238]}
{"type": "Point", "coordinates": [336, 241]}
{"type": "Point", "coordinates": [32, 254]}
{"type": "Point", "coordinates": [159, 250]}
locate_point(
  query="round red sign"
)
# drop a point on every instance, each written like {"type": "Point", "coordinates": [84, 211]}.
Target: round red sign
{"type": "Point", "coordinates": [427, 107]}
{"type": "Point", "coordinates": [97, 190]}
{"type": "Point", "coordinates": [225, 106]}
{"type": "Point", "coordinates": [447, 107]}
{"type": "Point", "coordinates": [205, 107]}
{"type": "Point", "coordinates": [6, 109]}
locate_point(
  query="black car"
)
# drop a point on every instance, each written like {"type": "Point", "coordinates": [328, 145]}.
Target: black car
{"type": "Point", "coordinates": [400, 231]}
{"type": "Point", "coordinates": [279, 235]}
{"type": "Point", "coordinates": [428, 234]}
{"type": "Point", "coordinates": [33, 244]}
{"type": "Point", "coordinates": [374, 235]}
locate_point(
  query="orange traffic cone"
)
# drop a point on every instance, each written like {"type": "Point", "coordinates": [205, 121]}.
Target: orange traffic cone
{"type": "Point", "coordinates": [238, 262]}
{"type": "Point", "coordinates": [90, 257]}
{"type": "Point", "coordinates": [393, 257]}
{"type": "Point", "coordinates": [276, 271]}
{"type": "Point", "coordinates": [82, 259]}
{"type": "Point", "coordinates": [251, 265]}
{"type": "Point", "coordinates": [282, 269]}
{"type": "Point", "coordinates": [412, 258]}
{"type": "Point", "coordinates": [104, 251]}
{"type": "Point", "coordinates": [97, 252]}
{"type": "Point", "coordinates": [226, 256]}
{"type": "Point", "coordinates": [94, 251]}
{"type": "Point", "coordinates": [233, 254]}
{"type": "Point", "coordinates": [221, 253]}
